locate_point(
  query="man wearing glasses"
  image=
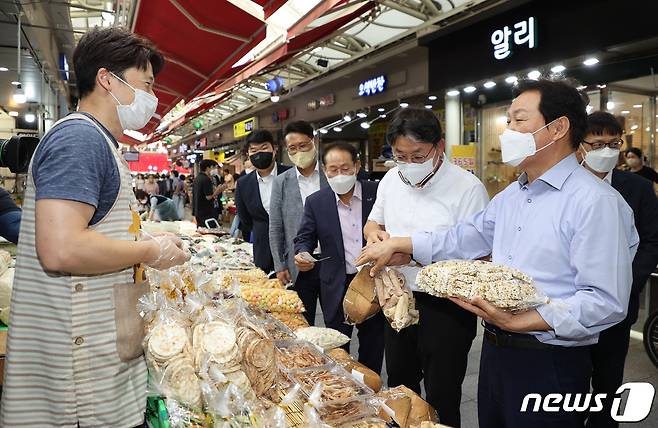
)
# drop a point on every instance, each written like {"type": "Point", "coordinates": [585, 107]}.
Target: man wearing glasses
{"type": "Point", "coordinates": [289, 193]}
{"type": "Point", "coordinates": [252, 195]}
{"type": "Point", "coordinates": [426, 192]}
{"type": "Point", "coordinates": [599, 153]}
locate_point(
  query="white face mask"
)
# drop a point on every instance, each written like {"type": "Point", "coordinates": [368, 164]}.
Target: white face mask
{"type": "Point", "coordinates": [517, 146]}
{"type": "Point", "coordinates": [137, 114]}
{"type": "Point", "coordinates": [342, 184]}
{"type": "Point", "coordinates": [602, 160]}
{"type": "Point", "coordinates": [417, 175]}
{"type": "Point", "coordinates": [214, 172]}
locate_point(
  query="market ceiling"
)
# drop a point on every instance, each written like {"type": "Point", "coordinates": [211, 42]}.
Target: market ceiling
{"type": "Point", "coordinates": [208, 45]}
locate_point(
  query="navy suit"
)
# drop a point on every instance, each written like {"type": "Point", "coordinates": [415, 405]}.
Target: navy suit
{"type": "Point", "coordinates": [321, 223]}
{"type": "Point", "coordinates": [609, 354]}
{"type": "Point", "coordinates": [254, 218]}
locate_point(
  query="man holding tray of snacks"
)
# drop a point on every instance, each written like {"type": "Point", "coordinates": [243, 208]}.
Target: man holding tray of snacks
{"type": "Point", "coordinates": [426, 192]}
{"type": "Point", "coordinates": [569, 231]}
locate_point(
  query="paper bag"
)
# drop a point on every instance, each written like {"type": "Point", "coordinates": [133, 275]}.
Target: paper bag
{"type": "Point", "coordinates": [360, 302]}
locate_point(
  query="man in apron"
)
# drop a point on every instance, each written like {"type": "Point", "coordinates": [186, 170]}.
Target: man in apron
{"type": "Point", "coordinates": [74, 355]}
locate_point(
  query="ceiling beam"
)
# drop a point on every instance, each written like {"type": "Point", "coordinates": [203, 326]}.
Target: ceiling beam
{"type": "Point", "coordinates": [404, 9]}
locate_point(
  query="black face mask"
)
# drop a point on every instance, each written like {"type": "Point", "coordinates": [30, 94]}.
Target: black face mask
{"type": "Point", "coordinates": [261, 160]}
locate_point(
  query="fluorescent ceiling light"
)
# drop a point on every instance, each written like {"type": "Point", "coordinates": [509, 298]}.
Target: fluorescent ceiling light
{"type": "Point", "coordinates": [469, 89]}
{"type": "Point", "coordinates": [452, 93]}
{"type": "Point", "coordinates": [558, 68]}
{"type": "Point", "coordinates": [490, 84]}
{"type": "Point", "coordinates": [534, 74]}
{"type": "Point", "coordinates": [511, 79]}
{"type": "Point", "coordinates": [591, 61]}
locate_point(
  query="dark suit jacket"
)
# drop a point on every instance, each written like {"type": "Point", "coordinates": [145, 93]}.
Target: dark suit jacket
{"type": "Point", "coordinates": [639, 195]}
{"type": "Point", "coordinates": [253, 217]}
{"type": "Point", "coordinates": [321, 223]}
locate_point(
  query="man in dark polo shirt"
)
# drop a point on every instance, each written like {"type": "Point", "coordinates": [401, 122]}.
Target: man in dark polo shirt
{"type": "Point", "coordinates": [204, 193]}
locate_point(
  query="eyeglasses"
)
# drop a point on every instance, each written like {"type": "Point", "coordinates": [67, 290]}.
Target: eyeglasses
{"type": "Point", "coordinates": [415, 158]}
{"type": "Point", "coordinates": [613, 144]}
{"type": "Point", "coordinates": [300, 147]}
{"type": "Point", "coordinates": [342, 171]}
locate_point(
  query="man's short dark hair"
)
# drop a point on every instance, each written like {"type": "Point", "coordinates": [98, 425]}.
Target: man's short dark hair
{"type": "Point", "coordinates": [559, 98]}
{"type": "Point", "coordinates": [175, 173]}
{"type": "Point", "coordinates": [258, 137]}
{"type": "Point", "coordinates": [206, 164]}
{"type": "Point", "coordinates": [300, 127]}
{"type": "Point", "coordinates": [115, 49]}
{"type": "Point", "coordinates": [419, 124]}
{"type": "Point", "coordinates": [342, 146]}
{"type": "Point", "coordinates": [602, 122]}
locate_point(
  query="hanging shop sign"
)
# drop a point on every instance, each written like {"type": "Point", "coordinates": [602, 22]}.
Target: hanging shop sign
{"type": "Point", "coordinates": [244, 128]}
{"type": "Point", "coordinates": [372, 86]}
{"type": "Point", "coordinates": [525, 32]}
{"type": "Point", "coordinates": [322, 102]}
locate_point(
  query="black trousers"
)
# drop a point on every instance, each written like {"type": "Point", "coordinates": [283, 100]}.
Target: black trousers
{"type": "Point", "coordinates": [307, 286]}
{"type": "Point", "coordinates": [508, 374]}
{"type": "Point", "coordinates": [436, 351]}
{"type": "Point", "coordinates": [370, 333]}
{"type": "Point", "coordinates": [608, 358]}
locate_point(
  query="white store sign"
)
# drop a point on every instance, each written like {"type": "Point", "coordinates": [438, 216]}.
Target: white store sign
{"type": "Point", "coordinates": [523, 32]}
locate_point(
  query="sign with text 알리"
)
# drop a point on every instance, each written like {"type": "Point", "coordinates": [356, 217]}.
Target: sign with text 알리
{"type": "Point", "coordinates": [524, 32]}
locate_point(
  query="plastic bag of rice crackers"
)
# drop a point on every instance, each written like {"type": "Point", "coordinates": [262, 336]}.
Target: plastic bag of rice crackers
{"type": "Point", "coordinates": [506, 288]}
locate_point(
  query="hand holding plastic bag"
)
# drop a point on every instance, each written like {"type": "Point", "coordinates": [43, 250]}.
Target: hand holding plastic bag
{"type": "Point", "coordinates": [171, 252]}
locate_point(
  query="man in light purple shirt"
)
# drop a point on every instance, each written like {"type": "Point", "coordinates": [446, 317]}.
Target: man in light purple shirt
{"type": "Point", "coordinates": [334, 217]}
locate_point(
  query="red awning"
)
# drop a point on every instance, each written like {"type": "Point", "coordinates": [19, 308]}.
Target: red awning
{"type": "Point", "coordinates": [201, 40]}
{"type": "Point", "coordinates": [157, 162]}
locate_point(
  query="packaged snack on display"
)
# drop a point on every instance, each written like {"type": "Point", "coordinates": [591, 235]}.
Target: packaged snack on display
{"type": "Point", "coordinates": [360, 302]}
{"type": "Point", "coordinates": [300, 355]}
{"type": "Point", "coordinates": [404, 407]}
{"type": "Point", "coordinates": [292, 321]}
{"type": "Point", "coordinates": [334, 385]}
{"type": "Point", "coordinates": [356, 369]}
{"type": "Point", "coordinates": [273, 300]}
{"type": "Point", "coordinates": [396, 299]}
{"type": "Point", "coordinates": [325, 338]}
{"type": "Point", "coordinates": [506, 288]}
{"type": "Point", "coordinates": [370, 422]}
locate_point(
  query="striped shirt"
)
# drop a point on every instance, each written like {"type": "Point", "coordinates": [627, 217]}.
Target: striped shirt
{"type": "Point", "coordinates": [62, 366]}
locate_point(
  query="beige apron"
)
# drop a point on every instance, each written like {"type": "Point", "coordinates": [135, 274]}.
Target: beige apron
{"type": "Point", "coordinates": [74, 352]}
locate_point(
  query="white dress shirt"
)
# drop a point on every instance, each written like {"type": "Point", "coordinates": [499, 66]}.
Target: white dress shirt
{"type": "Point", "coordinates": [309, 185]}
{"type": "Point", "coordinates": [265, 188]}
{"type": "Point", "coordinates": [452, 195]}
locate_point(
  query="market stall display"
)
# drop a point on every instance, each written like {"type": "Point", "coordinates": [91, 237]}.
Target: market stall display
{"type": "Point", "coordinates": [228, 347]}
{"type": "Point", "coordinates": [404, 407]}
{"type": "Point", "coordinates": [506, 288]}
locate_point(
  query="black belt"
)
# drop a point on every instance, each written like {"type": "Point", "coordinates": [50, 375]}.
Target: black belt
{"type": "Point", "coordinates": [506, 339]}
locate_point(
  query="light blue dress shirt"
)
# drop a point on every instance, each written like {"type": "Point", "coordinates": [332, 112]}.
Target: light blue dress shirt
{"type": "Point", "coordinates": [570, 231]}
